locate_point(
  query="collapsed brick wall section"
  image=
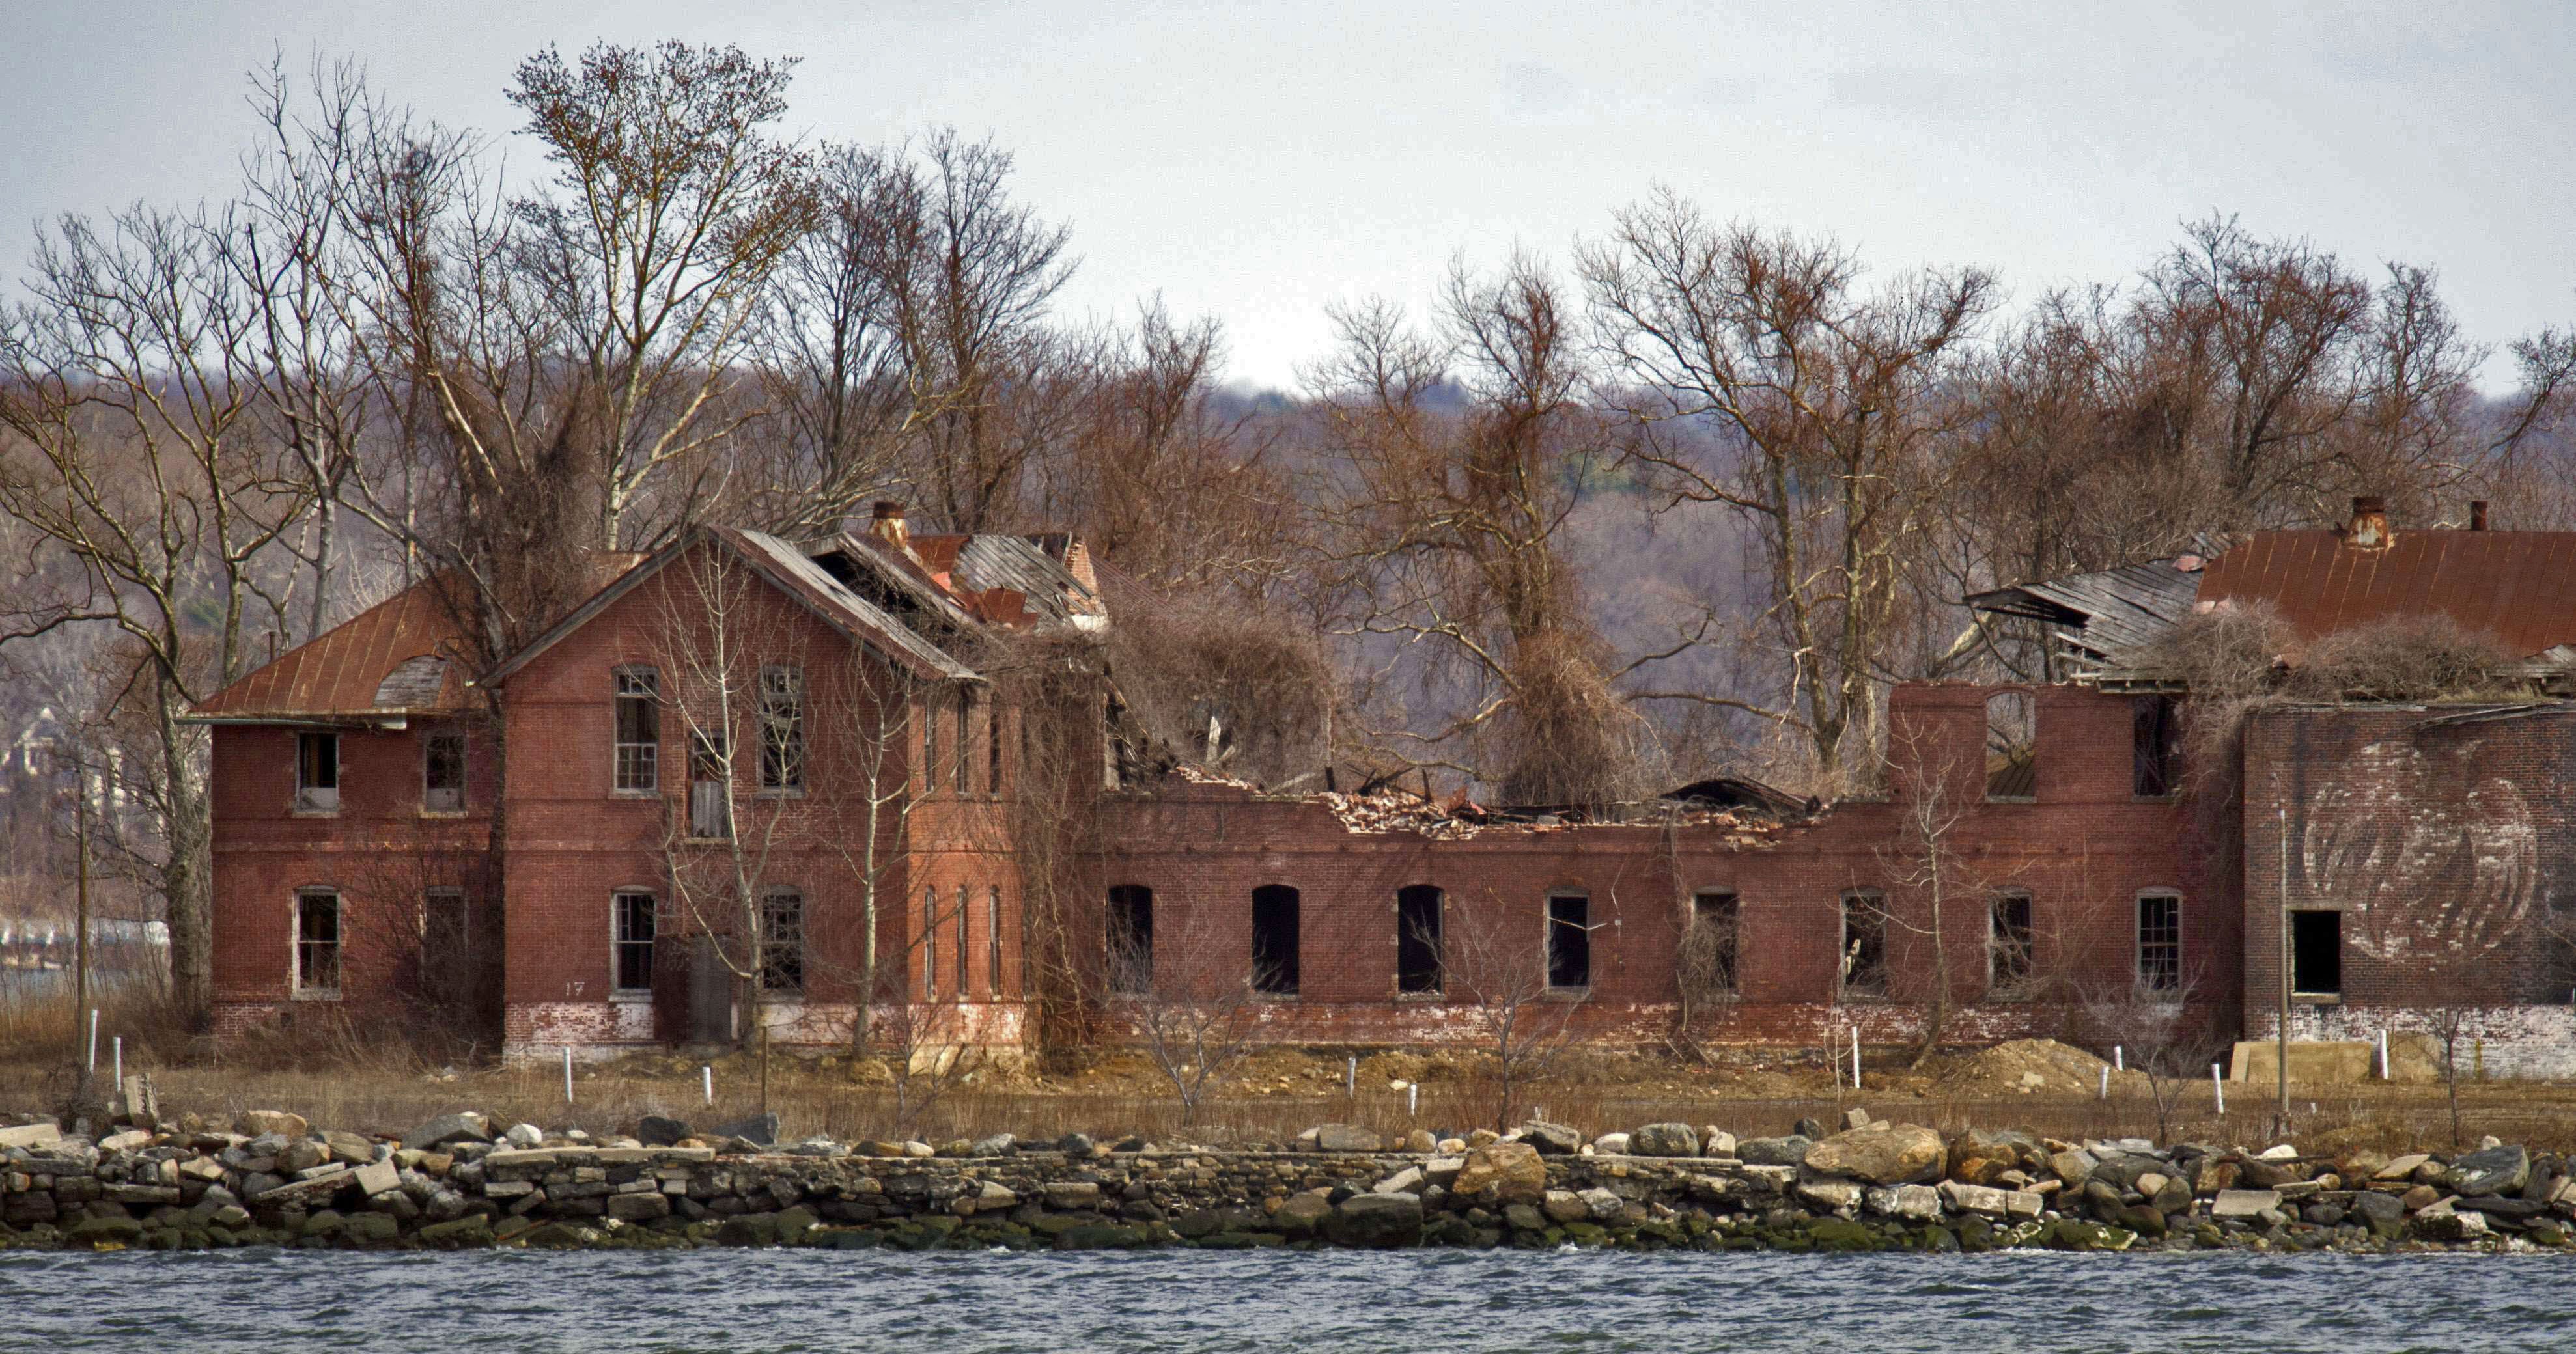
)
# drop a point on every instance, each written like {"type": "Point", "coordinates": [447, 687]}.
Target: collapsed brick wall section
{"type": "Point", "coordinates": [2082, 847]}
{"type": "Point", "coordinates": [2419, 866]}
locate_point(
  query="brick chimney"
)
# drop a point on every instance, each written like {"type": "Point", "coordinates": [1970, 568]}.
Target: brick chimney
{"type": "Point", "coordinates": [886, 524]}
{"type": "Point", "coordinates": [2477, 514]}
{"type": "Point", "coordinates": [2369, 529]}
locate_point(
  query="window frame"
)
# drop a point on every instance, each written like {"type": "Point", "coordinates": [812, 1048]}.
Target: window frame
{"type": "Point", "coordinates": [635, 765]}
{"type": "Point", "coordinates": [1847, 954]}
{"type": "Point", "coordinates": [2141, 975]}
{"type": "Point", "coordinates": [312, 800]}
{"type": "Point", "coordinates": [1131, 964]}
{"type": "Point", "coordinates": [621, 944]}
{"type": "Point", "coordinates": [709, 748]}
{"type": "Point", "coordinates": [429, 759]}
{"type": "Point", "coordinates": [993, 940]}
{"type": "Point", "coordinates": [2160, 749]}
{"type": "Point", "coordinates": [300, 946]}
{"type": "Point", "coordinates": [1286, 980]}
{"type": "Point", "coordinates": [1408, 936]}
{"type": "Point", "coordinates": [965, 944]}
{"type": "Point", "coordinates": [1730, 902]}
{"type": "Point", "coordinates": [930, 942]}
{"type": "Point", "coordinates": [2028, 704]}
{"type": "Point", "coordinates": [783, 755]}
{"type": "Point", "coordinates": [2015, 986]}
{"type": "Point", "coordinates": [770, 945]}
{"type": "Point", "coordinates": [2301, 993]}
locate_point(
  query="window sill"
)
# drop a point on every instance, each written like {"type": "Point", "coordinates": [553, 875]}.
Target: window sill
{"type": "Point", "coordinates": [1568, 993]}
{"type": "Point", "coordinates": [2317, 998]}
{"type": "Point", "coordinates": [795, 792]}
{"type": "Point", "coordinates": [1864, 998]}
{"type": "Point", "coordinates": [313, 813]}
{"type": "Point", "coordinates": [445, 814]}
{"type": "Point", "coordinates": [632, 995]}
{"type": "Point", "coordinates": [2012, 799]}
{"type": "Point", "coordinates": [646, 795]}
{"type": "Point", "coordinates": [706, 841]}
{"type": "Point", "coordinates": [315, 994]}
{"type": "Point", "coordinates": [1422, 996]}
{"type": "Point", "coordinates": [2171, 797]}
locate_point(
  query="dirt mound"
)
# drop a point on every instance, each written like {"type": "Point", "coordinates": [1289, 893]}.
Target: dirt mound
{"type": "Point", "coordinates": [2033, 1065]}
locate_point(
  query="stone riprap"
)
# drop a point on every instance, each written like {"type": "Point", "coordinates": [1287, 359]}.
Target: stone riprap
{"type": "Point", "coordinates": [460, 1181]}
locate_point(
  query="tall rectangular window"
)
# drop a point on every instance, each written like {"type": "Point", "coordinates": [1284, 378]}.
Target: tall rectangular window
{"type": "Point", "coordinates": [710, 788]}
{"type": "Point", "coordinates": [1569, 940]}
{"type": "Point", "coordinates": [317, 772]}
{"type": "Point", "coordinates": [2010, 951]}
{"type": "Point", "coordinates": [1709, 952]}
{"type": "Point", "coordinates": [1417, 938]}
{"type": "Point", "coordinates": [2316, 953]}
{"type": "Point", "coordinates": [993, 749]}
{"type": "Point", "coordinates": [782, 728]}
{"type": "Point", "coordinates": [2160, 942]}
{"type": "Point", "coordinates": [993, 941]}
{"type": "Point", "coordinates": [929, 743]}
{"type": "Point", "coordinates": [930, 944]}
{"type": "Point", "coordinates": [965, 954]}
{"type": "Point", "coordinates": [317, 943]}
{"type": "Point", "coordinates": [782, 941]}
{"type": "Point", "coordinates": [632, 919]}
{"type": "Point", "coordinates": [1131, 938]}
{"type": "Point", "coordinates": [2156, 739]}
{"type": "Point", "coordinates": [1274, 940]}
{"type": "Point", "coordinates": [1864, 965]}
{"type": "Point", "coordinates": [639, 730]}
{"type": "Point", "coordinates": [442, 771]}
{"type": "Point", "coordinates": [2012, 745]}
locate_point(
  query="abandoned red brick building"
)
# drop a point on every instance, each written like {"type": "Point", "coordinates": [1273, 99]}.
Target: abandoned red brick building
{"type": "Point", "coordinates": [740, 750]}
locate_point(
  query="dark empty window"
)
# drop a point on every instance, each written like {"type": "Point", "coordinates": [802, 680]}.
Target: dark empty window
{"type": "Point", "coordinates": [442, 771]}
{"type": "Point", "coordinates": [782, 941]}
{"type": "Point", "coordinates": [965, 716]}
{"type": "Point", "coordinates": [1274, 940]}
{"type": "Point", "coordinates": [1864, 964]}
{"type": "Point", "coordinates": [639, 730]}
{"type": "Point", "coordinates": [2160, 942]}
{"type": "Point", "coordinates": [965, 955]}
{"type": "Point", "coordinates": [1709, 950]}
{"type": "Point", "coordinates": [2156, 736]}
{"type": "Point", "coordinates": [317, 943]}
{"type": "Point", "coordinates": [992, 749]}
{"type": "Point", "coordinates": [2012, 746]}
{"type": "Point", "coordinates": [993, 942]}
{"type": "Point", "coordinates": [2316, 953]}
{"type": "Point", "coordinates": [710, 788]}
{"type": "Point", "coordinates": [1569, 940]}
{"type": "Point", "coordinates": [2009, 952]}
{"type": "Point", "coordinates": [930, 944]}
{"type": "Point", "coordinates": [317, 772]}
{"type": "Point", "coordinates": [1417, 938]}
{"type": "Point", "coordinates": [633, 919]}
{"type": "Point", "coordinates": [1131, 938]}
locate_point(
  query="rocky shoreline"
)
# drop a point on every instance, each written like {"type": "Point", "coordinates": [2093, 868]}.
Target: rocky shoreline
{"type": "Point", "coordinates": [270, 1179]}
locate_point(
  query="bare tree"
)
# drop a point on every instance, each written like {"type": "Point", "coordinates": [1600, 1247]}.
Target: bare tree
{"type": "Point", "coordinates": [1522, 1023]}
{"type": "Point", "coordinates": [1767, 382]}
{"type": "Point", "coordinates": [2160, 1036]}
{"type": "Point", "coordinates": [1932, 794]}
{"type": "Point", "coordinates": [1192, 1000]}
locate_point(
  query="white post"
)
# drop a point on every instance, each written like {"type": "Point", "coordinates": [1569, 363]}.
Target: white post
{"type": "Point", "coordinates": [93, 1041]}
{"type": "Point", "coordinates": [567, 1074]}
{"type": "Point", "coordinates": [1351, 1078]}
{"type": "Point", "coordinates": [1412, 1100]}
{"type": "Point", "coordinates": [2383, 1055]}
{"type": "Point", "coordinates": [1855, 1057]}
{"type": "Point", "coordinates": [2119, 1058]}
{"type": "Point", "coordinates": [709, 1075]}
{"type": "Point", "coordinates": [2106, 1083]}
{"type": "Point", "coordinates": [2219, 1088]}
{"type": "Point", "coordinates": [119, 1043]}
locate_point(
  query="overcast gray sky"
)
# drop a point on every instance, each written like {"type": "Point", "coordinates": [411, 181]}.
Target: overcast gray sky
{"type": "Point", "coordinates": [1257, 161]}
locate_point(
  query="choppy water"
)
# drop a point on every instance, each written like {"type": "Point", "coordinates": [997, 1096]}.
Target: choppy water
{"type": "Point", "coordinates": [271, 1301]}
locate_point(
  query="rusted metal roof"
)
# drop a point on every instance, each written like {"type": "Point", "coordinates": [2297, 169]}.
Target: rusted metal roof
{"type": "Point", "coordinates": [385, 662]}
{"type": "Point", "coordinates": [791, 570]}
{"type": "Point", "coordinates": [2519, 586]}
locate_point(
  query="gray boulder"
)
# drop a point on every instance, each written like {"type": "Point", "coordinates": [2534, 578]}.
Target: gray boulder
{"type": "Point", "coordinates": [2120, 1170]}
{"type": "Point", "coordinates": [998, 1145]}
{"type": "Point", "coordinates": [654, 1130]}
{"type": "Point", "coordinates": [1665, 1140]}
{"type": "Point", "coordinates": [465, 1126]}
{"type": "Point", "coordinates": [1347, 1138]}
{"type": "Point", "coordinates": [2496, 1170]}
{"type": "Point", "coordinates": [761, 1129]}
{"type": "Point", "coordinates": [1788, 1151]}
{"type": "Point", "coordinates": [1551, 1139]}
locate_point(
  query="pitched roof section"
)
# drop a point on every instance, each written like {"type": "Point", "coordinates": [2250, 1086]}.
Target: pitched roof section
{"type": "Point", "coordinates": [2107, 617]}
{"type": "Point", "coordinates": [2519, 586]}
{"type": "Point", "coordinates": [385, 662]}
{"type": "Point", "coordinates": [789, 569]}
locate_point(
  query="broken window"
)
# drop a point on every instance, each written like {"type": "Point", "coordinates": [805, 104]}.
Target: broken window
{"type": "Point", "coordinates": [2160, 942]}
{"type": "Point", "coordinates": [442, 771]}
{"type": "Point", "coordinates": [631, 917]}
{"type": "Point", "coordinates": [782, 728]}
{"type": "Point", "coordinates": [2009, 947]}
{"type": "Point", "coordinates": [1131, 938]}
{"type": "Point", "coordinates": [639, 730]}
{"type": "Point", "coordinates": [317, 772]}
{"type": "Point", "coordinates": [2316, 953]}
{"type": "Point", "coordinates": [2012, 747]}
{"type": "Point", "coordinates": [993, 941]}
{"type": "Point", "coordinates": [1709, 950]}
{"type": "Point", "coordinates": [1864, 965]}
{"type": "Point", "coordinates": [2156, 738]}
{"type": "Point", "coordinates": [1569, 940]}
{"type": "Point", "coordinates": [317, 943]}
{"type": "Point", "coordinates": [710, 789]}
{"type": "Point", "coordinates": [1274, 940]}
{"type": "Point", "coordinates": [965, 955]}
{"type": "Point", "coordinates": [782, 941]}
{"type": "Point", "coordinates": [1417, 938]}
{"type": "Point", "coordinates": [993, 750]}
